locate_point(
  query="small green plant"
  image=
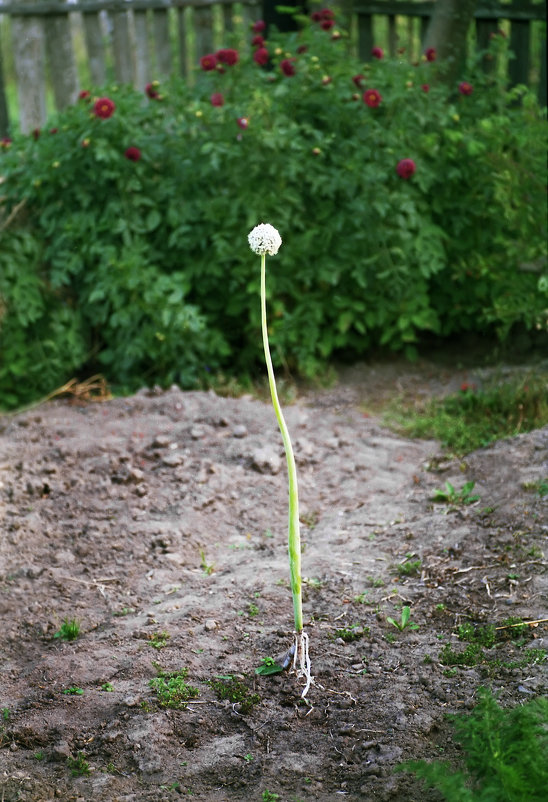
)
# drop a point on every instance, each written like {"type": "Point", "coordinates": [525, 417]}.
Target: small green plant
{"type": "Point", "coordinates": [404, 622]}
{"type": "Point", "coordinates": [449, 495]}
{"type": "Point", "coordinates": [349, 634]}
{"type": "Point", "coordinates": [6, 714]}
{"type": "Point", "coordinates": [158, 640]}
{"type": "Point", "coordinates": [409, 568]}
{"type": "Point", "coordinates": [268, 666]}
{"type": "Point", "coordinates": [106, 686]}
{"type": "Point", "coordinates": [269, 796]}
{"type": "Point", "coordinates": [78, 765]}
{"type": "Point", "coordinates": [69, 630]}
{"type": "Point", "coordinates": [236, 691]}
{"type": "Point", "coordinates": [504, 755]}
{"type": "Point", "coordinates": [207, 568]}
{"type": "Point", "coordinates": [172, 689]}
{"type": "Point", "coordinates": [39, 755]}
{"type": "Point", "coordinates": [74, 691]}
{"type": "Point", "coordinates": [252, 610]}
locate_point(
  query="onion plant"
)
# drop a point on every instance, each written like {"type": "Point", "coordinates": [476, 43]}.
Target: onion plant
{"type": "Point", "coordinates": [265, 239]}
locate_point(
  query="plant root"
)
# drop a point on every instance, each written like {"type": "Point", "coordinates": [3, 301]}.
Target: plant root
{"type": "Point", "coordinates": [301, 660]}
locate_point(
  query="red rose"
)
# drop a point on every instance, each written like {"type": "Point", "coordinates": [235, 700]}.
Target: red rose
{"type": "Point", "coordinates": [406, 168]}
{"type": "Point", "coordinates": [227, 56]}
{"type": "Point", "coordinates": [257, 41]}
{"type": "Point", "coordinates": [133, 154]}
{"type": "Point", "coordinates": [377, 52]}
{"type": "Point", "coordinates": [287, 66]}
{"type": "Point", "coordinates": [5, 142]}
{"type": "Point", "coordinates": [151, 90]}
{"type": "Point", "coordinates": [208, 62]}
{"type": "Point", "coordinates": [372, 98]}
{"type": "Point", "coordinates": [261, 56]}
{"type": "Point", "coordinates": [465, 88]}
{"type": "Point", "coordinates": [326, 13]}
{"type": "Point", "coordinates": [259, 26]}
{"type": "Point", "coordinates": [217, 99]}
{"type": "Point", "coordinates": [104, 108]}
{"type": "Point", "coordinates": [327, 24]}
{"type": "Point", "coordinates": [84, 95]}
{"type": "Point", "coordinates": [430, 53]}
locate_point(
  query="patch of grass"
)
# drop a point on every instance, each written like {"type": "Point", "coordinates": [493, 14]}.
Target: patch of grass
{"type": "Point", "coordinates": [69, 629]}
{"type": "Point", "coordinates": [504, 755]}
{"type": "Point", "coordinates": [349, 634]}
{"type": "Point", "coordinates": [158, 640]}
{"type": "Point", "coordinates": [473, 417]}
{"type": "Point", "coordinates": [409, 568]}
{"type": "Point", "coordinates": [172, 689]}
{"type": "Point", "coordinates": [78, 765]}
{"type": "Point", "coordinates": [540, 487]}
{"type": "Point", "coordinates": [235, 691]}
{"type": "Point", "coordinates": [207, 568]}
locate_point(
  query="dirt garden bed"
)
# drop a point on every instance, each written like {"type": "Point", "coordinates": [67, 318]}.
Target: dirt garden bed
{"type": "Point", "coordinates": [158, 523]}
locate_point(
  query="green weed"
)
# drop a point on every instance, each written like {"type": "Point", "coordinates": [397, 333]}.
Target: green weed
{"type": "Point", "coordinates": [74, 691]}
{"type": "Point", "coordinates": [69, 630]}
{"type": "Point", "coordinates": [409, 568]}
{"type": "Point", "coordinates": [404, 622]}
{"type": "Point", "coordinates": [268, 666]}
{"type": "Point", "coordinates": [235, 691]}
{"type": "Point", "coordinates": [207, 568]}
{"type": "Point", "coordinates": [349, 634]}
{"type": "Point", "coordinates": [172, 689]}
{"type": "Point", "coordinates": [450, 495]}
{"type": "Point", "coordinates": [78, 765]}
{"type": "Point", "coordinates": [158, 640]}
{"type": "Point", "coordinates": [504, 755]}
{"type": "Point", "coordinates": [269, 796]}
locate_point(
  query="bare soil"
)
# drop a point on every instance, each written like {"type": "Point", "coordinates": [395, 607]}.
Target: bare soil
{"type": "Point", "coordinates": [159, 522]}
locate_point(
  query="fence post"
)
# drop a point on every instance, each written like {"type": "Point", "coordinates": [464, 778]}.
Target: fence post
{"type": "Point", "coordinates": [29, 55]}
{"type": "Point", "coordinates": [518, 68]}
{"type": "Point", "coordinates": [365, 36]}
{"type": "Point", "coordinates": [121, 44]}
{"type": "Point", "coordinates": [4, 115]}
{"type": "Point", "coordinates": [203, 28]}
{"type": "Point", "coordinates": [162, 42]}
{"type": "Point", "coordinates": [60, 52]}
{"type": "Point", "coordinates": [142, 60]}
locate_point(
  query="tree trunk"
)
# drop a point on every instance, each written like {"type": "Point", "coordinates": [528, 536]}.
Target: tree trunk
{"type": "Point", "coordinates": [447, 34]}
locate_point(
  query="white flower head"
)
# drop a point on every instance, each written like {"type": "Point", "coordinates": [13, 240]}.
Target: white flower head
{"type": "Point", "coordinates": [264, 239]}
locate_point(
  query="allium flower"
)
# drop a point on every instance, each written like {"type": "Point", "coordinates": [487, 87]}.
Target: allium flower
{"type": "Point", "coordinates": [430, 53]}
{"type": "Point", "coordinates": [104, 108]}
{"type": "Point", "coordinates": [259, 26]}
{"type": "Point", "coordinates": [465, 88]}
{"type": "Point", "coordinates": [406, 168]}
{"type": "Point", "coordinates": [151, 90]}
{"type": "Point", "coordinates": [243, 122]}
{"type": "Point", "coordinates": [217, 99]}
{"type": "Point", "coordinates": [425, 87]}
{"type": "Point", "coordinates": [372, 98]}
{"type": "Point", "coordinates": [264, 238]}
{"type": "Point", "coordinates": [133, 154]}
{"type": "Point", "coordinates": [359, 80]}
{"type": "Point", "coordinates": [257, 41]}
{"type": "Point", "coordinates": [377, 52]}
{"type": "Point", "coordinates": [261, 56]}
{"type": "Point", "coordinates": [287, 66]}
{"type": "Point", "coordinates": [227, 56]}
{"type": "Point", "coordinates": [208, 62]}
{"type": "Point", "coordinates": [84, 95]}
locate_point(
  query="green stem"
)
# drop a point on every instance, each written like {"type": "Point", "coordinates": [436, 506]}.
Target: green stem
{"type": "Point", "coordinates": [294, 535]}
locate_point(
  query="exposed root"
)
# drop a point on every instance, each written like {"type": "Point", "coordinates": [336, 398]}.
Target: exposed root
{"type": "Point", "coordinates": [301, 660]}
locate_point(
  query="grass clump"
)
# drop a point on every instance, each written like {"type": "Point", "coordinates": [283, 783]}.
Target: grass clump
{"type": "Point", "coordinates": [473, 418]}
{"type": "Point", "coordinates": [504, 755]}
{"type": "Point", "coordinates": [69, 629]}
{"type": "Point", "coordinates": [78, 765]}
{"type": "Point", "coordinates": [235, 691]}
{"type": "Point", "coordinates": [172, 689]}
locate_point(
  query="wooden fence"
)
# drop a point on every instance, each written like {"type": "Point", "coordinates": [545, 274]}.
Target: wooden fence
{"type": "Point", "coordinates": [49, 47]}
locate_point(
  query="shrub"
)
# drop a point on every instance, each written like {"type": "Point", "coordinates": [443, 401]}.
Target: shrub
{"type": "Point", "coordinates": [120, 225]}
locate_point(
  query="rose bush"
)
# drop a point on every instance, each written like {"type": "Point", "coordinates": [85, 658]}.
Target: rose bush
{"type": "Point", "coordinates": [418, 212]}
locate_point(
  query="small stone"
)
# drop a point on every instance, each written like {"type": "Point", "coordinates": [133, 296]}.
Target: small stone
{"type": "Point", "coordinates": [239, 430]}
{"type": "Point", "coordinates": [266, 460]}
{"type": "Point", "coordinates": [161, 441]}
{"type": "Point", "coordinates": [197, 432]}
{"type": "Point", "coordinates": [210, 625]}
{"type": "Point", "coordinates": [172, 460]}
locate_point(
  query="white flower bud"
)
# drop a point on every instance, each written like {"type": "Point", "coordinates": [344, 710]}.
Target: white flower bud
{"type": "Point", "coordinates": [264, 239]}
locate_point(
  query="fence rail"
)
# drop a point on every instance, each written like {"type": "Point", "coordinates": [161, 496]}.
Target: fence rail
{"type": "Point", "coordinates": [47, 49]}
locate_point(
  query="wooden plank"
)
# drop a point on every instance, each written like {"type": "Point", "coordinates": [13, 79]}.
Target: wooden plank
{"type": "Point", "coordinates": [29, 53]}
{"type": "Point", "coordinates": [162, 43]}
{"type": "Point", "coordinates": [484, 29]}
{"type": "Point", "coordinates": [121, 45]}
{"type": "Point", "coordinates": [62, 62]}
{"type": "Point", "coordinates": [203, 28]}
{"type": "Point", "coordinates": [392, 35]}
{"type": "Point", "coordinates": [4, 115]}
{"type": "Point", "coordinates": [520, 44]}
{"type": "Point", "coordinates": [365, 36]}
{"type": "Point", "coordinates": [142, 58]}
{"type": "Point", "coordinates": [228, 19]}
{"type": "Point", "coordinates": [182, 42]}
{"type": "Point", "coordinates": [93, 37]}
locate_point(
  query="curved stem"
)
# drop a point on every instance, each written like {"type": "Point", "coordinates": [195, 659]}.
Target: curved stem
{"type": "Point", "coordinates": [294, 535]}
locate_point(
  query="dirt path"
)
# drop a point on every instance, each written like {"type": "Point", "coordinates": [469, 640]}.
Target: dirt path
{"type": "Point", "coordinates": [158, 521]}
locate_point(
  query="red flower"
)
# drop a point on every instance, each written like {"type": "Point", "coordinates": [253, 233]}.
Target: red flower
{"type": "Point", "coordinates": [257, 41]}
{"type": "Point", "coordinates": [372, 98]}
{"type": "Point", "coordinates": [326, 13]}
{"type": "Point", "coordinates": [302, 49]}
{"type": "Point", "coordinates": [315, 16]}
{"type": "Point", "coordinates": [377, 52]}
{"type": "Point", "coordinates": [151, 90]}
{"type": "Point", "coordinates": [227, 56]}
{"type": "Point", "coordinates": [243, 122]}
{"type": "Point", "coordinates": [208, 62]}
{"type": "Point", "coordinates": [217, 99]}
{"type": "Point", "coordinates": [425, 87]}
{"type": "Point", "coordinates": [5, 142]}
{"type": "Point", "coordinates": [406, 168]}
{"type": "Point", "coordinates": [104, 108]}
{"type": "Point", "coordinates": [84, 95]}
{"type": "Point", "coordinates": [359, 80]}
{"type": "Point", "coordinates": [259, 26]}
{"type": "Point", "coordinates": [327, 24]}
{"type": "Point", "coordinates": [287, 66]}
{"type": "Point", "coordinates": [430, 53]}
{"type": "Point", "coordinates": [133, 154]}
{"type": "Point", "coordinates": [53, 130]}
{"type": "Point", "coordinates": [465, 386]}
{"type": "Point", "coordinates": [465, 88]}
{"type": "Point", "coordinates": [36, 133]}
{"type": "Point", "coordinates": [261, 56]}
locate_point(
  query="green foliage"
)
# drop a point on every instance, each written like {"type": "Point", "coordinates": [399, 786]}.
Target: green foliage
{"type": "Point", "coordinates": [474, 417]}
{"type": "Point", "coordinates": [237, 692]}
{"type": "Point", "coordinates": [450, 495]}
{"type": "Point", "coordinates": [78, 765]}
{"type": "Point", "coordinates": [405, 620]}
{"type": "Point", "coordinates": [349, 634]}
{"type": "Point", "coordinates": [172, 689]}
{"type": "Point", "coordinates": [74, 691]}
{"type": "Point", "coordinates": [268, 667]}
{"type": "Point", "coordinates": [505, 755]}
{"type": "Point", "coordinates": [140, 270]}
{"type": "Point", "coordinates": [69, 629]}
{"type": "Point", "coordinates": [409, 567]}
